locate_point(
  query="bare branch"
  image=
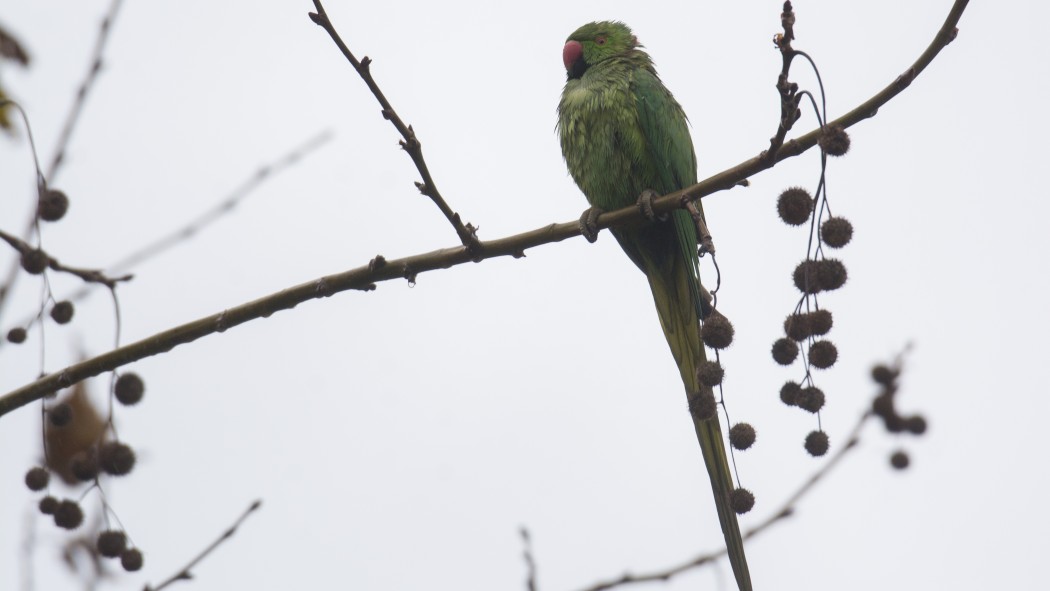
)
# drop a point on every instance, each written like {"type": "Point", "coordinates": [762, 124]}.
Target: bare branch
{"type": "Point", "coordinates": [467, 233]}
{"type": "Point", "coordinates": [85, 87]}
{"type": "Point", "coordinates": [203, 220]}
{"type": "Point", "coordinates": [89, 275]}
{"type": "Point", "coordinates": [530, 562]}
{"type": "Point", "coordinates": [364, 278]}
{"type": "Point", "coordinates": [185, 574]}
{"type": "Point", "coordinates": [67, 132]}
{"type": "Point", "coordinates": [231, 201]}
{"type": "Point", "coordinates": [786, 510]}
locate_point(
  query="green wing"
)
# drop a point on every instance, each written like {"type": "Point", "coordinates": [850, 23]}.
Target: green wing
{"type": "Point", "coordinates": [667, 253]}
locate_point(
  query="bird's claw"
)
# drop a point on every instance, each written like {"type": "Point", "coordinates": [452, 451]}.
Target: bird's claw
{"type": "Point", "coordinates": [645, 203]}
{"type": "Point", "coordinates": [589, 223]}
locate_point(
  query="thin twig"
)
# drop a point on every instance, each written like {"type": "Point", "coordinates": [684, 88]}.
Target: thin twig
{"type": "Point", "coordinates": [365, 277]}
{"type": "Point", "coordinates": [58, 157]}
{"type": "Point", "coordinates": [185, 574]}
{"type": "Point", "coordinates": [786, 510]}
{"type": "Point", "coordinates": [88, 275]}
{"type": "Point", "coordinates": [206, 218]}
{"type": "Point", "coordinates": [86, 85]}
{"type": "Point", "coordinates": [227, 205]}
{"type": "Point", "coordinates": [530, 563]}
{"type": "Point", "coordinates": [789, 112]}
{"type": "Point", "coordinates": [467, 233]}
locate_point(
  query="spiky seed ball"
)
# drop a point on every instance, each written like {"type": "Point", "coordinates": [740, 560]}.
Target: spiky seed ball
{"type": "Point", "coordinates": [836, 232]}
{"type": "Point", "coordinates": [703, 405]}
{"type": "Point", "coordinates": [112, 543]}
{"type": "Point", "coordinates": [84, 465]}
{"type": "Point", "coordinates": [742, 436]}
{"type": "Point", "coordinates": [916, 425]}
{"type": "Point", "coordinates": [882, 406]}
{"type": "Point", "coordinates": [823, 354]}
{"type": "Point", "coordinates": [899, 460]}
{"type": "Point", "coordinates": [810, 399]}
{"type": "Point", "coordinates": [806, 278]}
{"type": "Point", "coordinates": [831, 274]}
{"type": "Point", "coordinates": [62, 312]}
{"type": "Point", "coordinates": [52, 206]}
{"type": "Point", "coordinates": [894, 423]}
{"type": "Point", "coordinates": [795, 206]}
{"type": "Point", "coordinates": [741, 500]}
{"type": "Point", "coordinates": [820, 322]}
{"type": "Point", "coordinates": [710, 373]}
{"type": "Point", "coordinates": [797, 327]}
{"type": "Point", "coordinates": [883, 375]}
{"type": "Point", "coordinates": [16, 335]}
{"type": "Point", "coordinates": [717, 331]}
{"type": "Point", "coordinates": [129, 389]}
{"type": "Point", "coordinates": [37, 478]}
{"type": "Point", "coordinates": [834, 141]}
{"type": "Point", "coordinates": [115, 458]}
{"type": "Point", "coordinates": [35, 261]}
{"type": "Point", "coordinates": [131, 559]}
{"type": "Point", "coordinates": [817, 443]}
{"type": "Point", "coordinates": [785, 351]}
{"type": "Point", "coordinates": [48, 505]}
{"type": "Point", "coordinates": [68, 515]}
{"type": "Point", "coordinates": [789, 393]}
{"type": "Point", "coordinates": [60, 414]}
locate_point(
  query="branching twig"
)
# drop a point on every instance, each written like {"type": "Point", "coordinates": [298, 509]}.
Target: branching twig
{"type": "Point", "coordinates": [185, 574]}
{"type": "Point", "coordinates": [203, 220]}
{"type": "Point", "coordinates": [467, 233]}
{"type": "Point", "coordinates": [789, 99]}
{"type": "Point", "coordinates": [786, 510]}
{"type": "Point", "coordinates": [85, 86]}
{"type": "Point", "coordinates": [89, 275]}
{"type": "Point", "coordinates": [365, 277]}
{"type": "Point", "coordinates": [225, 206]}
{"type": "Point", "coordinates": [58, 157]}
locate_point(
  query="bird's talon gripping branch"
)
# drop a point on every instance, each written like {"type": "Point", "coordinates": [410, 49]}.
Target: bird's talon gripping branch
{"type": "Point", "coordinates": [703, 235]}
{"type": "Point", "coordinates": [645, 203]}
{"type": "Point", "coordinates": [589, 223]}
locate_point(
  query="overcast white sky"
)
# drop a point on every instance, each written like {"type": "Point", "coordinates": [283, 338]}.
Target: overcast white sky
{"type": "Point", "coordinates": [399, 438]}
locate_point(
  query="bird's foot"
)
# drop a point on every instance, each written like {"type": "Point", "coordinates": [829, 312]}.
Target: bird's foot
{"type": "Point", "coordinates": [589, 223]}
{"type": "Point", "coordinates": [645, 203]}
{"type": "Point", "coordinates": [703, 235]}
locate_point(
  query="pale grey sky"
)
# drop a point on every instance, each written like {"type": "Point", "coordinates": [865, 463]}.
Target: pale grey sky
{"type": "Point", "coordinates": [399, 438]}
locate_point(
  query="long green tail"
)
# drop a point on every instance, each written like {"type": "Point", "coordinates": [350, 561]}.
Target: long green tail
{"type": "Point", "coordinates": [676, 293]}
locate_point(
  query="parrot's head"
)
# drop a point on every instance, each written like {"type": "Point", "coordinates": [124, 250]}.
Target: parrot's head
{"type": "Point", "coordinates": [595, 42]}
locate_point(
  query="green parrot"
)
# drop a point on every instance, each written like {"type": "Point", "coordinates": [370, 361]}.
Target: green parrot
{"type": "Point", "coordinates": [625, 137]}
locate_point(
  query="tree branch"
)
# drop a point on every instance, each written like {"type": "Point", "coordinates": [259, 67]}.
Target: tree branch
{"type": "Point", "coordinates": [88, 275]}
{"type": "Point", "coordinates": [88, 83]}
{"type": "Point", "coordinates": [185, 574]}
{"type": "Point", "coordinates": [467, 233]}
{"type": "Point", "coordinates": [786, 510]}
{"type": "Point", "coordinates": [379, 269]}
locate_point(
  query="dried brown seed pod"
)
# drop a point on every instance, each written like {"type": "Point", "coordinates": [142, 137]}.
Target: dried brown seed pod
{"type": "Point", "coordinates": [823, 354]}
{"type": "Point", "coordinates": [817, 443]}
{"type": "Point", "coordinates": [741, 500]}
{"type": "Point", "coordinates": [794, 206]}
{"type": "Point", "coordinates": [785, 351]}
{"type": "Point", "coordinates": [37, 478]}
{"type": "Point", "coordinates": [834, 140]}
{"type": "Point", "coordinates": [717, 331]}
{"type": "Point", "coordinates": [742, 436]}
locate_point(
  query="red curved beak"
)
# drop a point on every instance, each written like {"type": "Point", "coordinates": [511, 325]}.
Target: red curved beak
{"type": "Point", "coordinates": [570, 53]}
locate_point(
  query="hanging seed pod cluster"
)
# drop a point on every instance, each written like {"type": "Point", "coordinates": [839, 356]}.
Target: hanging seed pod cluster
{"type": "Point", "coordinates": [807, 328]}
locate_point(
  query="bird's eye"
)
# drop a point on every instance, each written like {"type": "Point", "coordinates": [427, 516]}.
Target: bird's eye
{"type": "Point", "coordinates": [600, 40]}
